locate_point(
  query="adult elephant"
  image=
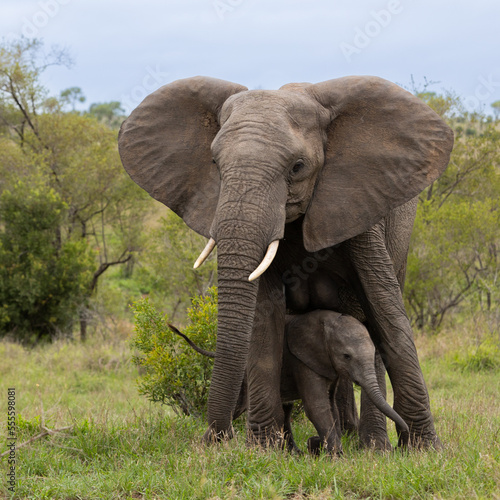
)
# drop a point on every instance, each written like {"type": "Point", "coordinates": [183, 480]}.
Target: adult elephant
{"type": "Point", "coordinates": [331, 170]}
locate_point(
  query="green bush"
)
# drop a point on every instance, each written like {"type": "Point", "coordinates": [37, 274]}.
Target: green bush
{"type": "Point", "coordinates": [172, 372]}
{"type": "Point", "coordinates": [44, 273]}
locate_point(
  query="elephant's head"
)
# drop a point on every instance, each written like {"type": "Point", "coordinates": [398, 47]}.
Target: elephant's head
{"type": "Point", "coordinates": [333, 344]}
{"type": "Point", "coordinates": [237, 165]}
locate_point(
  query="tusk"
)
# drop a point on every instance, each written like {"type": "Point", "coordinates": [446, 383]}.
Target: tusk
{"type": "Point", "coordinates": [266, 261]}
{"type": "Point", "coordinates": [206, 252]}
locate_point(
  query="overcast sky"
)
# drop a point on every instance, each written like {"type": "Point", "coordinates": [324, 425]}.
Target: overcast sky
{"type": "Point", "coordinates": [124, 49]}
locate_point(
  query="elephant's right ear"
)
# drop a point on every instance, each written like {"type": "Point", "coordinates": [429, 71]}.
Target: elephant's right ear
{"type": "Point", "coordinates": [165, 146]}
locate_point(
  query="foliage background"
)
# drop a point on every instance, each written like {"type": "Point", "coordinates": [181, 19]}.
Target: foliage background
{"type": "Point", "coordinates": [79, 243]}
{"type": "Point", "coordinates": [124, 245]}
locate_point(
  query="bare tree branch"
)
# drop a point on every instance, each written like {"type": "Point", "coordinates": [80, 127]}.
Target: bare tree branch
{"type": "Point", "coordinates": [105, 265]}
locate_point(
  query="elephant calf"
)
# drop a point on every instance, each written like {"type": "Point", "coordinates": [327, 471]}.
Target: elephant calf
{"type": "Point", "coordinates": [319, 347]}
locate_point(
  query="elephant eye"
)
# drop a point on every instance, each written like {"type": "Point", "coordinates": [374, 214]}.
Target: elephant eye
{"type": "Point", "coordinates": [347, 357]}
{"type": "Point", "coordinates": [299, 165]}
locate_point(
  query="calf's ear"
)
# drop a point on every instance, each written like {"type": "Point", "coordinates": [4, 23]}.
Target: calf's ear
{"type": "Point", "coordinates": [306, 340]}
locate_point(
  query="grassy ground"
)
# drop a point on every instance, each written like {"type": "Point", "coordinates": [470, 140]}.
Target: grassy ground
{"type": "Point", "coordinates": [121, 446]}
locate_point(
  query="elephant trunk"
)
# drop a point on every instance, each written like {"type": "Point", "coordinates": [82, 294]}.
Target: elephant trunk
{"type": "Point", "coordinates": [372, 389]}
{"type": "Point", "coordinates": [237, 301]}
{"type": "Point", "coordinates": [243, 233]}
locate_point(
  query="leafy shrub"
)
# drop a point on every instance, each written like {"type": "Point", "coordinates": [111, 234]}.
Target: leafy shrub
{"type": "Point", "coordinates": [172, 372]}
{"type": "Point", "coordinates": [44, 273]}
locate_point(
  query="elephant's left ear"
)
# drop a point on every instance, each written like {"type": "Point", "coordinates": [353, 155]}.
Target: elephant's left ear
{"type": "Point", "coordinates": [384, 146]}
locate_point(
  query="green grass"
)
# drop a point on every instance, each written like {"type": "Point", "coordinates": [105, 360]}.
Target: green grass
{"type": "Point", "coordinates": [122, 446]}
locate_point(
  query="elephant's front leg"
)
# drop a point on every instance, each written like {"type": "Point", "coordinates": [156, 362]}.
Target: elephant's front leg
{"type": "Point", "coordinates": [382, 301]}
{"type": "Point", "coordinates": [315, 393]}
{"type": "Point", "coordinates": [265, 412]}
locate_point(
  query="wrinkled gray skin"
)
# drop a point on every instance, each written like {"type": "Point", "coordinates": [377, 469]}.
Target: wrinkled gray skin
{"type": "Point", "coordinates": [319, 347]}
{"type": "Point", "coordinates": [329, 169]}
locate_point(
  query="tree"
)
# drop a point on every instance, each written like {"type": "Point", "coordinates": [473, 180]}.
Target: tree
{"type": "Point", "coordinates": [22, 96]}
{"type": "Point", "coordinates": [496, 109]}
{"type": "Point", "coordinates": [109, 113]}
{"type": "Point", "coordinates": [72, 96]}
{"type": "Point", "coordinates": [453, 257]}
{"type": "Point", "coordinates": [45, 272]}
{"type": "Point", "coordinates": [77, 158]}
